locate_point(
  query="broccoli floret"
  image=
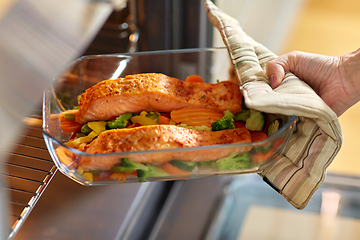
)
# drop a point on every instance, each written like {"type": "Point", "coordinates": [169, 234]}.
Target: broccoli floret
{"type": "Point", "coordinates": [129, 166]}
{"type": "Point", "coordinates": [184, 165]}
{"type": "Point", "coordinates": [229, 114]}
{"type": "Point", "coordinates": [233, 162]}
{"type": "Point", "coordinates": [120, 121]}
{"type": "Point", "coordinates": [223, 124]}
{"type": "Point", "coordinates": [256, 121]}
{"type": "Point", "coordinates": [206, 164]}
{"type": "Point", "coordinates": [227, 122]}
{"type": "Point", "coordinates": [242, 116]}
{"type": "Point", "coordinates": [150, 172]}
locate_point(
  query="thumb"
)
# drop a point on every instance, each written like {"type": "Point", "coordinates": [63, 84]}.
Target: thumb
{"type": "Point", "coordinates": [275, 72]}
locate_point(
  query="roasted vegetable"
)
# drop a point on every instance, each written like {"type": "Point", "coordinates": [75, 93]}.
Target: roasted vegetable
{"type": "Point", "coordinates": [233, 162]}
{"type": "Point", "coordinates": [69, 126]}
{"type": "Point", "coordinates": [86, 139]}
{"type": "Point", "coordinates": [274, 127]}
{"type": "Point", "coordinates": [129, 166]}
{"type": "Point", "coordinates": [206, 165]}
{"type": "Point", "coordinates": [150, 172]}
{"type": "Point", "coordinates": [98, 126]}
{"type": "Point", "coordinates": [227, 122]}
{"type": "Point", "coordinates": [154, 117]}
{"type": "Point", "coordinates": [196, 116]}
{"type": "Point", "coordinates": [183, 165]}
{"type": "Point", "coordinates": [85, 129]}
{"type": "Point", "coordinates": [256, 121]}
{"type": "Point", "coordinates": [172, 170]}
{"type": "Point", "coordinates": [69, 116]}
{"type": "Point", "coordinates": [143, 120]}
{"type": "Point", "coordinates": [120, 122]}
{"type": "Point", "coordinates": [242, 116]}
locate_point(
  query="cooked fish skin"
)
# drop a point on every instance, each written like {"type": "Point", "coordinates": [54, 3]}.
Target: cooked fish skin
{"type": "Point", "coordinates": [154, 92]}
{"type": "Point", "coordinates": [158, 137]}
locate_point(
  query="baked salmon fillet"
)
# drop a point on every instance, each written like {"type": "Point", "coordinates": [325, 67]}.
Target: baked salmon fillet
{"type": "Point", "coordinates": [160, 137]}
{"type": "Point", "coordinates": [154, 92]}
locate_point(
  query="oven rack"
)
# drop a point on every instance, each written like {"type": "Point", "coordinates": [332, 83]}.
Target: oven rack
{"type": "Point", "coordinates": [28, 170]}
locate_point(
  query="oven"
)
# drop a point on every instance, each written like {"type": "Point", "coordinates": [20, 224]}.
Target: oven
{"type": "Point", "coordinates": [44, 204]}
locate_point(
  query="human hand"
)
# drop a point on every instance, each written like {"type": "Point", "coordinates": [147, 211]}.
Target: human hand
{"type": "Point", "coordinates": [335, 79]}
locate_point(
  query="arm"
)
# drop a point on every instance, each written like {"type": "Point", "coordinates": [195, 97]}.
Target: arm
{"type": "Point", "coordinates": [335, 79]}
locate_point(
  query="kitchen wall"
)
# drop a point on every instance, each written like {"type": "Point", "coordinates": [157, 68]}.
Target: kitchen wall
{"type": "Point", "coordinates": [268, 22]}
{"type": "Point", "coordinates": [330, 27]}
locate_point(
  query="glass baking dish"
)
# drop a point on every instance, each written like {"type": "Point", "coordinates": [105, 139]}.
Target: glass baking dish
{"type": "Point", "coordinates": [211, 64]}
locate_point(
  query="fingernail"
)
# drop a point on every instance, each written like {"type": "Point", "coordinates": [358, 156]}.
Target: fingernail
{"type": "Point", "coordinates": [272, 80]}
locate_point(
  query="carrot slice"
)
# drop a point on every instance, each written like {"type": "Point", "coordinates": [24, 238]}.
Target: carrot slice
{"type": "Point", "coordinates": [164, 120]}
{"type": "Point", "coordinates": [69, 126]}
{"type": "Point", "coordinates": [172, 170]}
{"type": "Point", "coordinates": [257, 136]}
{"type": "Point", "coordinates": [261, 157]}
{"type": "Point", "coordinates": [194, 78]}
{"type": "Point", "coordinates": [196, 116]}
{"type": "Point", "coordinates": [133, 125]}
{"type": "Point", "coordinates": [165, 114]}
{"type": "Point", "coordinates": [121, 176]}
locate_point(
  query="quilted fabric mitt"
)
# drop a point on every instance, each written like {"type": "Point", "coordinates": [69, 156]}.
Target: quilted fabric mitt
{"type": "Point", "coordinates": [301, 169]}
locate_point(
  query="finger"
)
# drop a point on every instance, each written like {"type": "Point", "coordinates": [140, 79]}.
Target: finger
{"type": "Point", "coordinates": [276, 68]}
{"type": "Point", "coordinates": [275, 73]}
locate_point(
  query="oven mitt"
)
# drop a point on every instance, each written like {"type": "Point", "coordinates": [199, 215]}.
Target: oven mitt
{"type": "Point", "coordinates": [301, 169]}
